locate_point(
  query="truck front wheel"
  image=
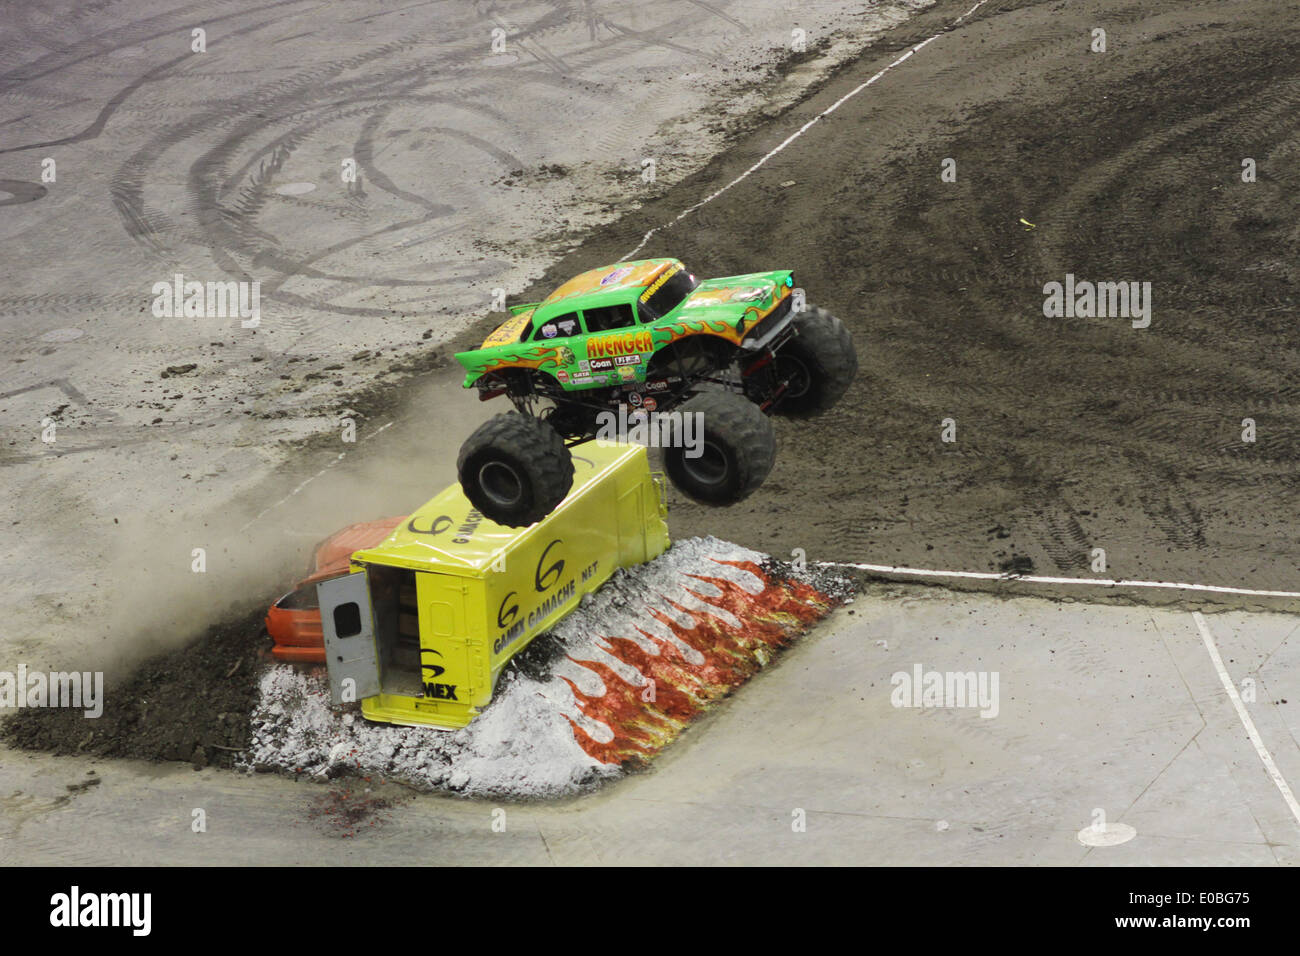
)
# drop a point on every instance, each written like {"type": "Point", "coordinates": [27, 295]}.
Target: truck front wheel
{"type": "Point", "coordinates": [731, 449]}
{"type": "Point", "coordinates": [515, 469]}
{"type": "Point", "coordinates": [817, 366]}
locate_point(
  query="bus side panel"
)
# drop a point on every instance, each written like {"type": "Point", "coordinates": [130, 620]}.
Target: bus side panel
{"type": "Point", "coordinates": [626, 509]}
{"type": "Point", "coordinates": [643, 534]}
{"type": "Point", "coordinates": [545, 575]}
{"type": "Point", "coordinates": [654, 518]}
{"type": "Point", "coordinates": [446, 655]}
{"type": "Point", "coordinates": [477, 651]}
{"type": "Point", "coordinates": [472, 622]}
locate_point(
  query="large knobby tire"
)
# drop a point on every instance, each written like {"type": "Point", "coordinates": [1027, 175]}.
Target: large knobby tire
{"type": "Point", "coordinates": [820, 364]}
{"type": "Point", "coordinates": [515, 469]}
{"type": "Point", "coordinates": [737, 449]}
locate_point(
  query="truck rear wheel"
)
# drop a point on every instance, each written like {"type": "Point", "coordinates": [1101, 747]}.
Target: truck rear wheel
{"type": "Point", "coordinates": [819, 364]}
{"type": "Point", "coordinates": [736, 449]}
{"type": "Point", "coordinates": [515, 469]}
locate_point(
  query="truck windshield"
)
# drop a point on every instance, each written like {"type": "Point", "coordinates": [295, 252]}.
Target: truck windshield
{"type": "Point", "coordinates": [665, 294]}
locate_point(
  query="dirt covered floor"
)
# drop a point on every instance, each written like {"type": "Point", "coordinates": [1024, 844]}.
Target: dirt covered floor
{"type": "Point", "coordinates": [1071, 433]}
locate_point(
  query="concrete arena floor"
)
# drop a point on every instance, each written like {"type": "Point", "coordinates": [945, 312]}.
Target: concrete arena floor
{"type": "Point", "coordinates": [1111, 708]}
{"type": "Point", "coordinates": [1117, 708]}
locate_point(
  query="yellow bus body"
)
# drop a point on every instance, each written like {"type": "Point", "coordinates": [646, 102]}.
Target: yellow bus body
{"type": "Point", "coordinates": [422, 627]}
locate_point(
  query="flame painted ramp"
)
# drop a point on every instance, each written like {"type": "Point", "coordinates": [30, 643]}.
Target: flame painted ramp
{"type": "Point", "coordinates": [617, 681]}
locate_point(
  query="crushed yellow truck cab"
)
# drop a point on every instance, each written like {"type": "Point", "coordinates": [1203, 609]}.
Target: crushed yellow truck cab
{"type": "Point", "coordinates": [421, 628]}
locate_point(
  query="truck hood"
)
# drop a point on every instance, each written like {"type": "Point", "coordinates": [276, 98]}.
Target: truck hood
{"type": "Point", "coordinates": [733, 295]}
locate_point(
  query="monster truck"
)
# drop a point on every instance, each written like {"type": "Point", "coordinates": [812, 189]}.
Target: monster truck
{"type": "Point", "coordinates": [641, 337]}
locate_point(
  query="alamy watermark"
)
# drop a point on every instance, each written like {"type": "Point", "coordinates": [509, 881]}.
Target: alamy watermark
{"type": "Point", "coordinates": [653, 429]}
{"type": "Point", "coordinates": [922, 688]}
{"type": "Point", "coordinates": [75, 689]}
{"type": "Point", "coordinates": [76, 909]}
{"type": "Point", "coordinates": [1102, 300]}
{"type": "Point", "coordinates": [180, 299]}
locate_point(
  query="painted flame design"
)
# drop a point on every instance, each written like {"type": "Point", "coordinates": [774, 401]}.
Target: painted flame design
{"type": "Point", "coordinates": [681, 328]}
{"type": "Point", "coordinates": [534, 357]}
{"type": "Point", "coordinates": [774, 617]}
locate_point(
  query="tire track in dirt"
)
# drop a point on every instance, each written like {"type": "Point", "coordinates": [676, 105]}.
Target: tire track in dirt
{"type": "Point", "coordinates": [236, 240]}
{"type": "Point", "coordinates": [233, 224]}
{"type": "Point", "coordinates": [1073, 434]}
{"type": "Point", "coordinates": [122, 37]}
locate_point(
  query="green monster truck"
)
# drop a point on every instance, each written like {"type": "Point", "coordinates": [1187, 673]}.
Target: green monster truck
{"type": "Point", "coordinates": [650, 337]}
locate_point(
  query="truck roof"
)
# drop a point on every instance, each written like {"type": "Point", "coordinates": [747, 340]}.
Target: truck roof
{"type": "Point", "coordinates": [604, 286]}
{"type": "Point", "coordinates": [447, 534]}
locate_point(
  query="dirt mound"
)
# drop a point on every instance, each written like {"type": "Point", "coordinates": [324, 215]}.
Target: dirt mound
{"type": "Point", "coordinates": [192, 704]}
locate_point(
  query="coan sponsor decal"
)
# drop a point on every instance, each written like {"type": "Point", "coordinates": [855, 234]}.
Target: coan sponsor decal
{"type": "Point", "coordinates": [625, 343]}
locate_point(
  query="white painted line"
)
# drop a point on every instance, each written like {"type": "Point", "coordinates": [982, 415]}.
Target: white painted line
{"type": "Point", "coordinates": [1251, 732]}
{"type": "Point", "coordinates": [271, 507]}
{"type": "Point", "coordinates": [1043, 579]}
{"type": "Point", "coordinates": [797, 133]}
